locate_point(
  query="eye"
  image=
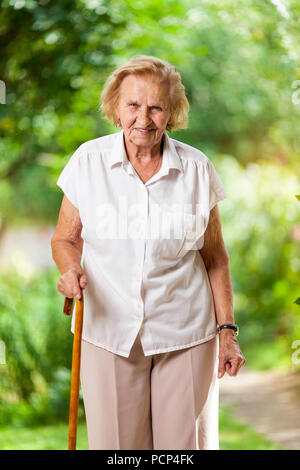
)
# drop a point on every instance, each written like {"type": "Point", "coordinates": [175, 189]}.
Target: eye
{"type": "Point", "coordinates": [156, 107]}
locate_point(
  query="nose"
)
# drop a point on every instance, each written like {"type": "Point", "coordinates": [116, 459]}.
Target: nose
{"type": "Point", "coordinates": [143, 117]}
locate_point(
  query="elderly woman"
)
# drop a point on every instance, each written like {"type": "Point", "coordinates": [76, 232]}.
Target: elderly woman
{"type": "Point", "coordinates": [141, 209]}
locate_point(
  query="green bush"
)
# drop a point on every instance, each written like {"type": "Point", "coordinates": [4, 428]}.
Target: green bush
{"type": "Point", "coordinates": [258, 220]}
{"type": "Point", "coordinates": [35, 381]}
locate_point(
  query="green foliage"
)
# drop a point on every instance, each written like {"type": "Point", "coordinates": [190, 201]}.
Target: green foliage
{"type": "Point", "coordinates": [35, 381]}
{"type": "Point", "coordinates": [258, 220]}
{"type": "Point", "coordinates": [238, 63]}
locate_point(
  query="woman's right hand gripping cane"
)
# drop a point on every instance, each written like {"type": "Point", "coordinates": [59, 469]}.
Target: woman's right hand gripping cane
{"type": "Point", "coordinates": [71, 283]}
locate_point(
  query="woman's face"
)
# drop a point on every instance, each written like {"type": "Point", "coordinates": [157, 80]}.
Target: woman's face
{"type": "Point", "coordinates": [143, 110]}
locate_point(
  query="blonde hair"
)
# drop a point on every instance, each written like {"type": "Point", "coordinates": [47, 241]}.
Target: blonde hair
{"type": "Point", "coordinates": [162, 71]}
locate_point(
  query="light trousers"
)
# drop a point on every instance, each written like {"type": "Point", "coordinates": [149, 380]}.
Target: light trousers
{"type": "Point", "coordinates": [160, 402]}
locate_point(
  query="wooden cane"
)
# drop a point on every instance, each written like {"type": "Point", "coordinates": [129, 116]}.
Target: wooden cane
{"type": "Point", "coordinates": [75, 377]}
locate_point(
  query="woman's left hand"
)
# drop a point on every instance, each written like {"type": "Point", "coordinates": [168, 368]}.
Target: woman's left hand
{"type": "Point", "coordinates": [231, 357]}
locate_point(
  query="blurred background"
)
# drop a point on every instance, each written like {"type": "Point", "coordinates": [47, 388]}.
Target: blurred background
{"type": "Point", "coordinates": [240, 66]}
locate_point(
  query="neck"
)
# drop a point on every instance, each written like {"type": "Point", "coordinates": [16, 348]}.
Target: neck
{"type": "Point", "coordinates": [143, 156]}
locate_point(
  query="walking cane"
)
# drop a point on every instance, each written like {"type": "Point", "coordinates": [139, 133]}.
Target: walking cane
{"type": "Point", "coordinates": [75, 377]}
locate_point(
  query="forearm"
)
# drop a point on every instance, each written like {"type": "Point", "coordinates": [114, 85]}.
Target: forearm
{"type": "Point", "coordinates": [66, 255]}
{"type": "Point", "coordinates": [221, 286]}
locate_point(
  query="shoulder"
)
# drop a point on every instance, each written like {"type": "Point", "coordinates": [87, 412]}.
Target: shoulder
{"type": "Point", "coordinates": [98, 145]}
{"type": "Point", "coordinates": [189, 153]}
{"type": "Point", "coordinates": [93, 151]}
{"type": "Point", "coordinates": [85, 158]}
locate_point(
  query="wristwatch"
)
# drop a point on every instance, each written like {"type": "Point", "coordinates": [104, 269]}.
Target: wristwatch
{"type": "Point", "coordinates": [232, 326]}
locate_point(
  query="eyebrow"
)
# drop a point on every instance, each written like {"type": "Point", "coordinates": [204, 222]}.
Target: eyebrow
{"type": "Point", "coordinates": [151, 106]}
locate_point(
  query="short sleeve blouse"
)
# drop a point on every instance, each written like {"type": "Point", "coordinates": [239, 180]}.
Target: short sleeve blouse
{"type": "Point", "coordinates": [141, 245]}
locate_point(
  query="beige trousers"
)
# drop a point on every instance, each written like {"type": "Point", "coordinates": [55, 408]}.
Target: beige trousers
{"type": "Point", "coordinates": [161, 402]}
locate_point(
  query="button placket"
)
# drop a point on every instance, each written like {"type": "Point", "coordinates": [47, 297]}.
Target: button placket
{"type": "Point", "coordinates": [146, 215]}
{"type": "Point", "coordinates": [137, 268]}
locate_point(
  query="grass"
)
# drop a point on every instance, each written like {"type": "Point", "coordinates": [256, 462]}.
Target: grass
{"type": "Point", "coordinates": [54, 437]}
{"type": "Point", "coordinates": [234, 435]}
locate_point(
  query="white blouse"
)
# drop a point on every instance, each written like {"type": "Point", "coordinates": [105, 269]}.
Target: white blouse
{"type": "Point", "coordinates": [141, 241]}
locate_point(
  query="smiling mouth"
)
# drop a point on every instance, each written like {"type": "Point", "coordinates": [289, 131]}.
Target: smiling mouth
{"type": "Point", "coordinates": [143, 131]}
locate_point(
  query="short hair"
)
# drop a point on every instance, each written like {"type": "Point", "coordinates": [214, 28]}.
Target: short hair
{"type": "Point", "coordinates": [161, 70]}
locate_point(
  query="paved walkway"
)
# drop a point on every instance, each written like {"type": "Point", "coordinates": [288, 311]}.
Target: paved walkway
{"type": "Point", "coordinates": [268, 401]}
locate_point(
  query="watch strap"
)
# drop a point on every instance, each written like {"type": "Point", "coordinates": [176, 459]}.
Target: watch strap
{"type": "Point", "coordinates": [231, 326]}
